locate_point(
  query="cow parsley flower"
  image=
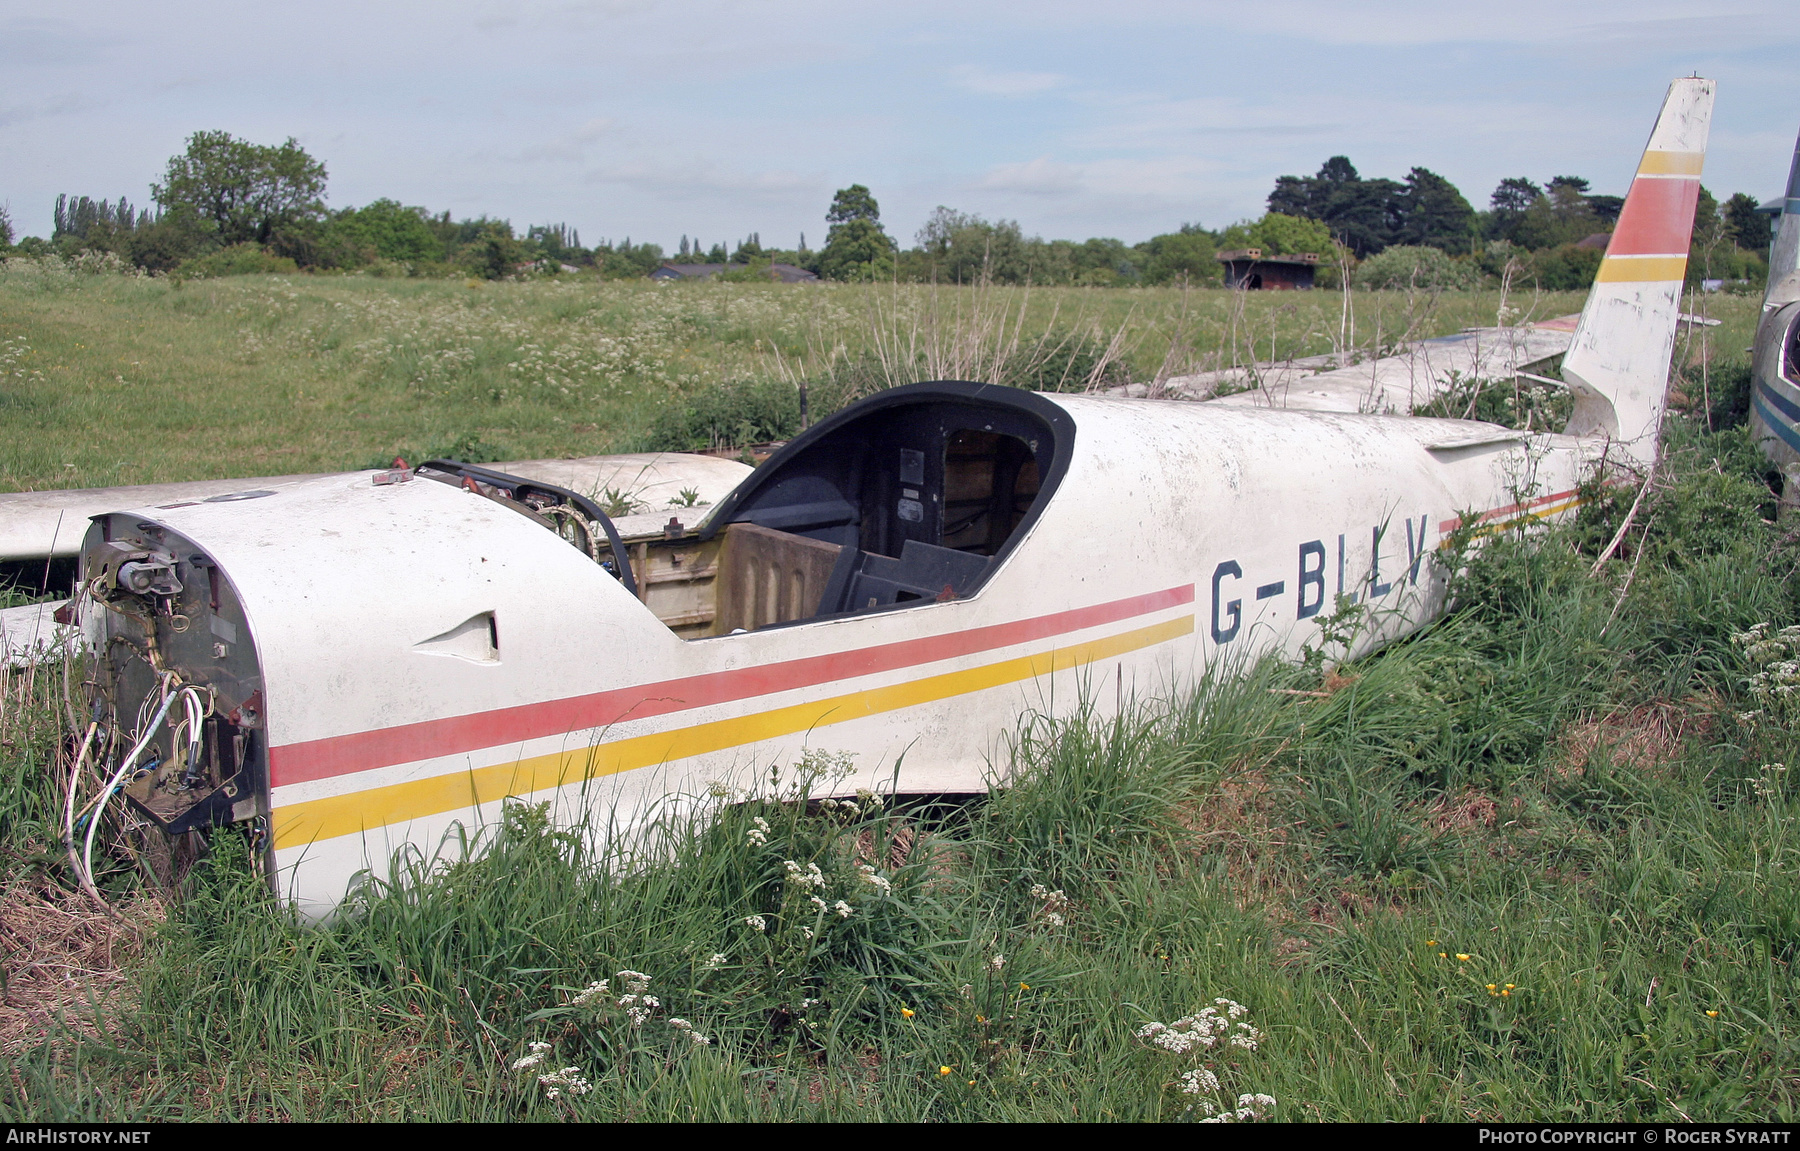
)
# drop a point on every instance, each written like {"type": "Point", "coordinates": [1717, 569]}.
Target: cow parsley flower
{"type": "Point", "coordinates": [809, 876]}
{"type": "Point", "coordinates": [591, 992]}
{"type": "Point", "coordinates": [636, 982]}
{"type": "Point", "coordinates": [879, 882]}
{"type": "Point", "coordinates": [539, 1052]}
{"type": "Point", "coordinates": [1198, 1080]}
{"type": "Point", "coordinates": [843, 909]}
{"type": "Point", "coordinates": [565, 1079]}
{"type": "Point", "coordinates": [756, 923]}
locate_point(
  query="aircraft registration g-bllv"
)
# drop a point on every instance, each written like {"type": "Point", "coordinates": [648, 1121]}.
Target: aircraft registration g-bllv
{"type": "Point", "coordinates": [360, 663]}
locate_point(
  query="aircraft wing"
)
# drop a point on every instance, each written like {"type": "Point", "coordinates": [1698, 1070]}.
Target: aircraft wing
{"type": "Point", "coordinates": [39, 525]}
{"type": "Point", "coordinates": [1398, 384]}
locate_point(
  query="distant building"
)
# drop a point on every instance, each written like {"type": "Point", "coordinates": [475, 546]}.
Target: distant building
{"type": "Point", "coordinates": [1249, 268]}
{"type": "Point", "coordinates": [785, 273]}
{"type": "Point", "coordinates": [688, 271]}
{"type": "Point", "coordinates": [788, 274]}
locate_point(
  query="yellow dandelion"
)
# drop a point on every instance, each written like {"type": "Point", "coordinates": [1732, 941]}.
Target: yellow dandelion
{"type": "Point", "coordinates": [1712, 1014]}
{"type": "Point", "coordinates": [1431, 943]}
{"type": "Point", "coordinates": [1441, 955]}
{"type": "Point", "coordinates": [981, 1019]}
{"type": "Point", "coordinates": [971, 1083]}
{"type": "Point", "coordinates": [1024, 987]}
{"type": "Point", "coordinates": [906, 1013]}
{"type": "Point", "coordinates": [1510, 986]}
{"type": "Point", "coordinates": [1506, 994]}
{"type": "Point", "coordinates": [1491, 987]}
{"type": "Point", "coordinates": [943, 1071]}
{"type": "Point", "coordinates": [1460, 956]}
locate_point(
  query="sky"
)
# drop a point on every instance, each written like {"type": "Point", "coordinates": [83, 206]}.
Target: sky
{"type": "Point", "coordinates": [717, 118]}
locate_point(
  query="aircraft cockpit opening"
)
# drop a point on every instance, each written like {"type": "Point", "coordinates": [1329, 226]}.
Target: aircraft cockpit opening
{"type": "Point", "coordinates": [914, 496]}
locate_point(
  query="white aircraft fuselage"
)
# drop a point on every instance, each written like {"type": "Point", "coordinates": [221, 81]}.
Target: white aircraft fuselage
{"type": "Point", "coordinates": [363, 664]}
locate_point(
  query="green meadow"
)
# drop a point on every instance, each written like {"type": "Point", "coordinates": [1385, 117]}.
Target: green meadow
{"type": "Point", "coordinates": [109, 379]}
{"type": "Point", "coordinates": [1537, 863]}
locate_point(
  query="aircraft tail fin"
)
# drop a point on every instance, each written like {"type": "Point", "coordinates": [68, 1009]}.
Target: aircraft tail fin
{"type": "Point", "coordinates": [1784, 258]}
{"type": "Point", "coordinates": [1618, 364]}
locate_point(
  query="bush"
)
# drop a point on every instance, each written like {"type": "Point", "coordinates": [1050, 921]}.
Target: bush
{"type": "Point", "coordinates": [1427, 269]}
{"type": "Point", "coordinates": [730, 415]}
{"type": "Point", "coordinates": [1564, 269]}
{"type": "Point", "coordinates": [237, 260]}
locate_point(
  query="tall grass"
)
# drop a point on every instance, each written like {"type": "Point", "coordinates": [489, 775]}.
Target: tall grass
{"type": "Point", "coordinates": [107, 379]}
{"type": "Point", "coordinates": [1578, 806]}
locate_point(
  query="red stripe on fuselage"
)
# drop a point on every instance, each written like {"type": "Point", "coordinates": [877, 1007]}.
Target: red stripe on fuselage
{"type": "Point", "coordinates": [361, 751]}
{"type": "Point", "coordinates": [1657, 218]}
{"type": "Point", "coordinates": [1455, 522]}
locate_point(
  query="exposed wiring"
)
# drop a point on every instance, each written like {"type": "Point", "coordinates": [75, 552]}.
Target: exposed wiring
{"type": "Point", "coordinates": [106, 793]}
{"type": "Point", "coordinates": [87, 741]}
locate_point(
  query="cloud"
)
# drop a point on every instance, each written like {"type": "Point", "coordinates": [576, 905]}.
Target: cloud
{"type": "Point", "coordinates": [571, 147]}
{"type": "Point", "coordinates": [701, 179]}
{"type": "Point", "coordinates": [985, 82]}
{"type": "Point", "coordinates": [69, 104]}
{"type": "Point", "coordinates": [1040, 177]}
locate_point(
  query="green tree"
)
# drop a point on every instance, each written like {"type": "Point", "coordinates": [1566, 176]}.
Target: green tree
{"type": "Point", "coordinates": [853, 203]}
{"type": "Point", "coordinates": [244, 192]}
{"type": "Point", "coordinates": [1186, 256]}
{"type": "Point", "coordinates": [1433, 213]}
{"type": "Point", "coordinates": [1364, 215]}
{"type": "Point", "coordinates": [857, 250]}
{"type": "Point", "coordinates": [1279, 234]}
{"type": "Point", "coordinates": [749, 249]}
{"type": "Point", "coordinates": [390, 231]}
{"type": "Point", "coordinates": [1562, 215]}
{"type": "Point", "coordinates": [494, 252]}
{"type": "Point", "coordinates": [1419, 267]}
{"type": "Point", "coordinates": [856, 247]}
{"type": "Point", "coordinates": [1748, 228]}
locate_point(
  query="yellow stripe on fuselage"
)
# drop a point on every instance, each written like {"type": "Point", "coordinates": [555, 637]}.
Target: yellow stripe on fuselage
{"type": "Point", "coordinates": [366, 810]}
{"type": "Point", "coordinates": [1642, 269]}
{"type": "Point", "coordinates": [1672, 164]}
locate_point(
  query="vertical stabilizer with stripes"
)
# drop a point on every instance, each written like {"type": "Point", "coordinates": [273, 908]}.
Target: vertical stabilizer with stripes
{"type": "Point", "coordinates": [1784, 257]}
{"type": "Point", "coordinates": [1618, 364]}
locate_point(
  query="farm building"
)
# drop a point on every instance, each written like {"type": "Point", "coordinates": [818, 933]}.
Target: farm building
{"type": "Point", "coordinates": [1249, 268]}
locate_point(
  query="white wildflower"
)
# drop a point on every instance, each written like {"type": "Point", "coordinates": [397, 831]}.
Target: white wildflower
{"type": "Point", "coordinates": [807, 932]}
{"type": "Point", "coordinates": [997, 964]}
{"type": "Point", "coordinates": [756, 923]}
{"type": "Point", "coordinates": [879, 882]}
{"type": "Point", "coordinates": [715, 961]}
{"type": "Point", "coordinates": [759, 834]}
{"type": "Point", "coordinates": [1198, 1080]}
{"type": "Point", "coordinates": [817, 902]}
{"type": "Point", "coordinates": [842, 909]}
{"type": "Point", "coordinates": [636, 982]}
{"type": "Point", "coordinates": [539, 1052]}
{"type": "Point", "coordinates": [809, 876]}
{"type": "Point", "coordinates": [588, 994]}
{"type": "Point", "coordinates": [569, 1079]}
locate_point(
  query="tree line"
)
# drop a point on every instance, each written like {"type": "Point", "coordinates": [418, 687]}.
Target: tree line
{"type": "Point", "coordinates": [228, 205]}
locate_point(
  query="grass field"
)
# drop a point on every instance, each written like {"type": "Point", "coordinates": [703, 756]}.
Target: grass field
{"type": "Point", "coordinates": [1538, 863]}
{"type": "Point", "coordinates": [106, 379]}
